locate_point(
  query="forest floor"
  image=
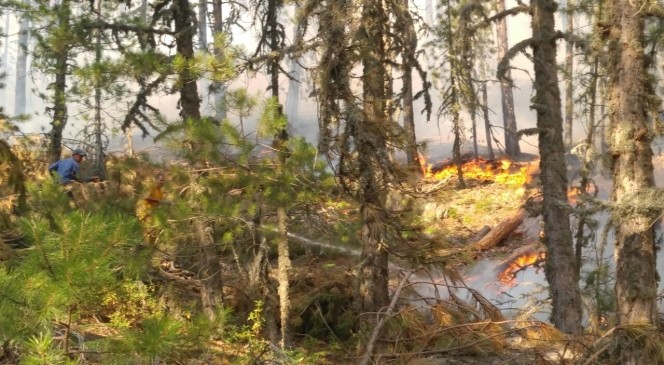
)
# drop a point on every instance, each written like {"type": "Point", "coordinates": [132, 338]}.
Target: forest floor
{"type": "Point", "coordinates": [452, 218]}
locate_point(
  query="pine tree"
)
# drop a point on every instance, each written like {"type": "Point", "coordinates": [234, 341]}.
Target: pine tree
{"type": "Point", "coordinates": [630, 100]}
{"type": "Point", "coordinates": [560, 264]}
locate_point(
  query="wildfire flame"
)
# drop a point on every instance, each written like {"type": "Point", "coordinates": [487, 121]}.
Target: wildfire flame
{"type": "Point", "coordinates": [500, 172]}
{"type": "Point", "coordinates": [508, 275]}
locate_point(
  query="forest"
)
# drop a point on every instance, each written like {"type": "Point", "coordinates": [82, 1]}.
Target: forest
{"type": "Point", "coordinates": [239, 236]}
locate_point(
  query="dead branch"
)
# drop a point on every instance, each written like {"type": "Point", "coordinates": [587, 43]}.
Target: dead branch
{"type": "Point", "coordinates": [388, 314]}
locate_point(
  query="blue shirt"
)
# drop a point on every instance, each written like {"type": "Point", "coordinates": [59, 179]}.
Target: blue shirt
{"type": "Point", "coordinates": [68, 169]}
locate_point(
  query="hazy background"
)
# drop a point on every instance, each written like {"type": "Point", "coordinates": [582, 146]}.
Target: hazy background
{"type": "Point", "coordinates": [437, 131]}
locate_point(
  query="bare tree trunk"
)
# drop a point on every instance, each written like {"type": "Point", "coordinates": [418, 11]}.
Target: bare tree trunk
{"type": "Point", "coordinates": [560, 264]}
{"type": "Point", "coordinates": [454, 102]}
{"type": "Point", "coordinates": [487, 122]}
{"type": "Point", "coordinates": [60, 86]}
{"type": "Point", "coordinates": [129, 147]}
{"type": "Point", "coordinates": [569, 83]}
{"type": "Point", "coordinates": [581, 240]}
{"type": "Point", "coordinates": [509, 119]}
{"type": "Point", "coordinates": [412, 156]}
{"type": "Point", "coordinates": [294, 85]}
{"type": "Point", "coordinates": [218, 87]}
{"type": "Point", "coordinates": [202, 25]}
{"type": "Point", "coordinates": [631, 154]}
{"type": "Point", "coordinates": [473, 118]}
{"type": "Point", "coordinates": [273, 31]}
{"type": "Point", "coordinates": [183, 16]}
{"type": "Point", "coordinates": [99, 164]}
{"type": "Point", "coordinates": [604, 146]}
{"type": "Point", "coordinates": [22, 65]}
{"type": "Point", "coordinates": [373, 273]}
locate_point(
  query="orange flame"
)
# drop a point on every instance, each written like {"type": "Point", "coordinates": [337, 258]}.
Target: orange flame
{"type": "Point", "coordinates": [500, 172]}
{"type": "Point", "coordinates": [508, 275]}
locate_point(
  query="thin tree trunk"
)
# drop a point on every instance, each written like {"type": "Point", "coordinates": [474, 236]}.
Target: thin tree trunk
{"type": "Point", "coordinates": [569, 80]}
{"type": "Point", "coordinates": [183, 17]}
{"type": "Point", "coordinates": [202, 25]}
{"type": "Point", "coordinates": [560, 266]}
{"type": "Point", "coordinates": [22, 65]}
{"type": "Point", "coordinates": [217, 85]}
{"type": "Point", "coordinates": [509, 119]}
{"type": "Point", "coordinates": [281, 139]}
{"type": "Point", "coordinates": [273, 31]}
{"type": "Point", "coordinates": [210, 272]}
{"type": "Point", "coordinates": [473, 118]}
{"type": "Point", "coordinates": [294, 85]}
{"type": "Point", "coordinates": [487, 122]}
{"type": "Point", "coordinates": [632, 169]}
{"type": "Point", "coordinates": [99, 165]}
{"type": "Point", "coordinates": [581, 240]}
{"type": "Point", "coordinates": [604, 146]}
{"type": "Point", "coordinates": [60, 86]}
{"type": "Point", "coordinates": [454, 102]}
{"type": "Point", "coordinates": [412, 156]}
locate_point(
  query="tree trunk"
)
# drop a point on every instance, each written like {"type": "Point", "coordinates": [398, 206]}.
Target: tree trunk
{"type": "Point", "coordinates": [280, 141]}
{"type": "Point", "coordinates": [455, 104]}
{"type": "Point", "coordinates": [273, 33]}
{"type": "Point", "coordinates": [294, 86]}
{"type": "Point", "coordinates": [183, 17]}
{"type": "Point", "coordinates": [569, 83]}
{"type": "Point", "coordinates": [412, 157]}
{"type": "Point", "coordinates": [373, 274]}
{"type": "Point", "coordinates": [202, 25]}
{"type": "Point", "coordinates": [632, 169]}
{"type": "Point", "coordinates": [22, 65]}
{"type": "Point", "coordinates": [99, 164]}
{"type": "Point", "coordinates": [509, 119]}
{"type": "Point", "coordinates": [210, 272]}
{"type": "Point", "coordinates": [560, 267]}
{"type": "Point", "coordinates": [487, 122]}
{"type": "Point", "coordinates": [61, 51]}
{"type": "Point", "coordinates": [217, 85]}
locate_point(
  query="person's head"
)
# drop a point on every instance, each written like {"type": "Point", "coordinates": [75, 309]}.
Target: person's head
{"type": "Point", "coordinates": [78, 154]}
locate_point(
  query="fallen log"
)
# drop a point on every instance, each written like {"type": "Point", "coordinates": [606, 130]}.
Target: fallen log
{"type": "Point", "coordinates": [502, 230]}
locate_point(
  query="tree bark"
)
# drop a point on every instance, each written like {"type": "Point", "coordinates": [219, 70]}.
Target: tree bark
{"type": "Point", "coordinates": [22, 65]}
{"type": "Point", "coordinates": [273, 33]}
{"type": "Point", "coordinates": [99, 164]}
{"type": "Point", "coordinates": [210, 273]}
{"type": "Point", "coordinates": [569, 80]}
{"type": "Point", "coordinates": [185, 31]}
{"type": "Point", "coordinates": [454, 101]}
{"type": "Point", "coordinates": [487, 123]}
{"type": "Point", "coordinates": [373, 274]}
{"type": "Point", "coordinates": [61, 51]}
{"type": "Point", "coordinates": [631, 164]}
{"type": "Point", "coordinates": [509, 119]}
{"type": "Point", "coordinates": [217, 85]}
{"type": "Point", "coordinates": [412, 157]}
{"type": "Point", "coordinates": [202, 25]}
{"type": "Point", "coordinates": [560, 266]}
